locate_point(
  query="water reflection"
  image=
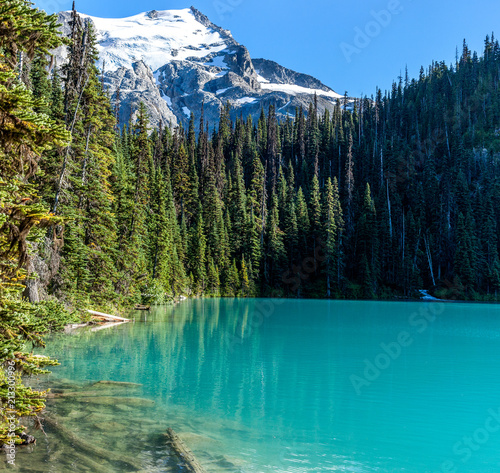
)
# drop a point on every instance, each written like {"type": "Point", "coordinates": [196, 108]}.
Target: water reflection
{"type": "Point", "coordinates": [265, 386]}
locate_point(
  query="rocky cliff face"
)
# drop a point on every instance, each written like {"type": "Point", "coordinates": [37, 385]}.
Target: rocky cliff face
{"type": "Point", "coordinates": [175, 60]}
{"type": "Point", "coordinates": [136, 85]}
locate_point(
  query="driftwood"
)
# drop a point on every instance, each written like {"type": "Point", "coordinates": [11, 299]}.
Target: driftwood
{"type": "Point", "coordinates": [107, 317]}
{"type": "Point", "coordinates": [189, 462]}
{"type": "Point", "coordinates": [92, 450]}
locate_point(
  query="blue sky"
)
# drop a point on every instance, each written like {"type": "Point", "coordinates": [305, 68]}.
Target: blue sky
{"type": "Point", "coordinates": [351, 46]}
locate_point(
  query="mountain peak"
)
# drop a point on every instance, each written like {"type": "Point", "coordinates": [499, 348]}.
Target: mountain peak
{"type": "Point", "coordinates": [175, 60]}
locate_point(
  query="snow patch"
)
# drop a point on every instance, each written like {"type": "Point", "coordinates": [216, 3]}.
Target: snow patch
{"type": "Point", "coordinates": [245, 100]}
{"type": "Point", "coordinates": [156, 76]}
{"type": "Point", "coordinates": [261, 79]}
{"type": "Point", "coordinates": [217, 61]}
{"type": "Point", "coordinates": [167, 99]}
{"type": "Point", "coordinates": [186, 111]}
{"type": "Point", "coordinates": [171, 35]}
{"type": "Point", "coordinates": [284, 106]}
{"type": "Point", "coordinates": [292, 89]}
{"type": "Point", "coordinates": [222, 91]}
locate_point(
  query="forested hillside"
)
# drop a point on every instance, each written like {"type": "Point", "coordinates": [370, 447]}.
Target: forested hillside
{"type": "Point", "coordinates": [395, 194]}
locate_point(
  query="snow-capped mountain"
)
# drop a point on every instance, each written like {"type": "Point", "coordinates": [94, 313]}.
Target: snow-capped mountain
{"type": "Point", "coordinates": [175, 60]}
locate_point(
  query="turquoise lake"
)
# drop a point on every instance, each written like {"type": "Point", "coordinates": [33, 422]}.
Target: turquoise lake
{"type": "Point", "coordinates": [269, 386]}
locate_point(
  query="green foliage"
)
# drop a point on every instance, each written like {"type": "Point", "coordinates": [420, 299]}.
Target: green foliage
{"type": "Point", "coordinates": [25, 133]}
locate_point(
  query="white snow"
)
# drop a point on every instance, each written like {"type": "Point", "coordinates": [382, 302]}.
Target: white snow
{"type": "Point", "coordinates": [221, 91]}
{"type": "Point", "coordinates": [284, 106]}
{"type": "Point", "coordinates": [245, 100]}
{"type": "Point", "coordinates": [122, 41]}
{"type": "Point", "coordinates": [168, 100]}
{"type": "Point", "coordinates": [186, 111]}
{"type": "Point", "coordinates": [215, 75]}
{"type": "Point", "coordinates": [156, 76]}
{"type": "Point", "coordinates": [292, 89]}
{"type": "Point", "coordinates": [261, 79]}
{"type": "Point", "coordinates": [217, 61]}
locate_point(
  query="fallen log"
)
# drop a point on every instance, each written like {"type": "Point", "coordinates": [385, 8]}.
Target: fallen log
{"type": "Point", "coordinates": [94, 451]}
{"type": "Point", "coordinates": [107, 317]}
{"type": "Point", "coordinates": [107, 325]}
{"type": "Point", "coordinates": [189, 462]}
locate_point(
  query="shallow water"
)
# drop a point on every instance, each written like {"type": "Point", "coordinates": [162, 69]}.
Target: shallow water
{"type": "Point", "coordinates": [275, 386]}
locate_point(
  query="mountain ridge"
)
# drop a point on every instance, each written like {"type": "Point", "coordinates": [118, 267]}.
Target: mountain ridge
{"type": "Point", "coordinates": [192, 61]}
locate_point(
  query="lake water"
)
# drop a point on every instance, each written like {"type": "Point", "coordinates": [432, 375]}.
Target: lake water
{"type": "Point", "coordinates": [275, 386]}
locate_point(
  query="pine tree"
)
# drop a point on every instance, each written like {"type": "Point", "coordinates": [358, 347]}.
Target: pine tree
{"type": "Point", "coordinates": [25, 134]}
{"type": "Point", "coordinates": [197, 258]}
{"type": "Point", "coordinates": [91, 235]}
{"type": "Point", "coordinates": [40, 84]}
{"type": "Point", "coordinates": [290, 225]}
{"type": "Point", "coordinates": [180, 176]}
{"type": "Point", "coordinates": [56, 97]}
{"type": "Point", "coordinates": [232, 284]}
{"type": "Point", "coordinates": [275, 254]}
{"type": "Point", "coordinates": [368, 244]}
{"type": "Point", "coordinates": [315, 207]}
{"type": "Point", "coordinates": [237, 207]}
{"type": "Point", "coordinates": [246, 288]}
{"type": "Point", "coordinates": [465, 256]}
{"type": "Point", "coordinates": [213, 279]}
{"type": "Point", "coordinates": [303, 223]}
{"type": "Point", "coordinates": [333, 228]}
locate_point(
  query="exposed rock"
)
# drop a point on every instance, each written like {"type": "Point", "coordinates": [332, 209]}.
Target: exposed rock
{"type": "Point", "coordinates": [277, 74]}
{"type": "Point", "coordinates": [138, 85]}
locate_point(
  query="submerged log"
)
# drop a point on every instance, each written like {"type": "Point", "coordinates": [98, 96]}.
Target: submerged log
{"type": "Point", "coordinates": [107, 317]}
{"type": "Point", "coordinates": [189, 462]}
{"type": "Point", "coordinates": [94, 451]}
{"type": "Point", "coordinates": [95, 397]}
{"type": "Point", "coordinates": [118, 384]}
